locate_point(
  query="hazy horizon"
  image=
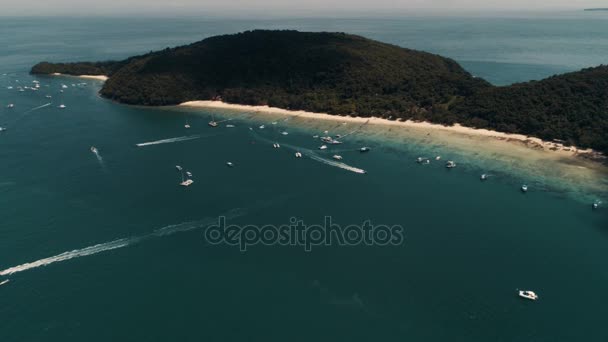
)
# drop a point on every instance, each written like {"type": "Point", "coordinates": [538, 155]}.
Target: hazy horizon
{"type": "Point", "coordinates": [294, 8]}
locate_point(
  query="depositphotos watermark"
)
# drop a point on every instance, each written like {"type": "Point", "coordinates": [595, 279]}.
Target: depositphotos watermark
{"type": "Point", "coordinates": [297, 233]}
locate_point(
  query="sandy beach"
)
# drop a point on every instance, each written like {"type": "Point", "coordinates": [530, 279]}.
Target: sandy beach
{"type": "Point", "coordinates": [90, 77]}
{"type": "Point", "coordinates": [532, 142]}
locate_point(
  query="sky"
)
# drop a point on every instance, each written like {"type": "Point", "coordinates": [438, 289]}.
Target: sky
{"type": "Point", "coordinates": [281, 7]}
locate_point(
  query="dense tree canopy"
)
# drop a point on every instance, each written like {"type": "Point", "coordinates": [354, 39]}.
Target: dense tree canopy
{"type": "Point", "coordinates": [344, 74]}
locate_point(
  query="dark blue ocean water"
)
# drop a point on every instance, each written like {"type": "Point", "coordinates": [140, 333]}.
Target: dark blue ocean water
{"type": "Point", "coordinates": [100, 269]}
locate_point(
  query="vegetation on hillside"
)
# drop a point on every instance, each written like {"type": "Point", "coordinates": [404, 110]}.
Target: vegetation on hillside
{"type": "Point", "coordinates": [344, 74]}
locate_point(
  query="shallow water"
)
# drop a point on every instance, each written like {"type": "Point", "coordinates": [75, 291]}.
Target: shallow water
{"type": "Point", "coordinates": [115, 246]}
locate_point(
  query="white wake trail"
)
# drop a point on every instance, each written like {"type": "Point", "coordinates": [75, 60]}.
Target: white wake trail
{"type": "Point", "coordinates": [39, 107]}
{"type": "Point", "coordinates": [169, 140]}
{"type": "Point", "coordinates": [121, 243]}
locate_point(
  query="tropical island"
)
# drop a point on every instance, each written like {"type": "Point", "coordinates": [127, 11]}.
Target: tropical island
{"type": "Point", "coordinates": [343, 74]}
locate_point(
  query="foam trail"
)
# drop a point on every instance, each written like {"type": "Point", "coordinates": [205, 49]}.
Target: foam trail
{"type": "Point", "coordinates": [169, 140]}
{"type": "Point", "coordinates": [120, 243]}
{"type": "Point", "coordinates": [312, 155]}
{"type": "Point", "coordinates": [40, 107]}
{"type": "Point", "coordinates": [100, 160]}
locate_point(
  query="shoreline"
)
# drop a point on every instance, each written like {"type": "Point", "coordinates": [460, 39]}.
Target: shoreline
{"type": "Point", "coordinates": [90, 77]}
{"type": "Point", "coordinates": [533, 143]}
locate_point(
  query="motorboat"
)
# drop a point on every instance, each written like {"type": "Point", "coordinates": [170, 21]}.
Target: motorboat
{"type": "Point", "coordinates": [438, 158]}
{"type": "Point", "coordinates": [229, 164]}
{"type": "Point", "coordinates": [187, 182]}
{"type": "Point", "coordinates": [364, 149]}
{"type": "Point", "coordinates": [450, 164]}
{"type": "Point", "coordinates": [298, 155]}
{"type": "Point", "coordinates": [262, 127]}
{"type": "Point", "coordinates": [179, 168]}
{"type": "Point", "coordinates": [93, 149]}
{"type": "Point", "coordinates": [284, 133]}
{"type": "Point", "coordinates": [337, 157]}
{"type": "Point", "coordinates": [186, 126]}
{"type": "Point", "coordinates": [62, 106]}
{"type": "Point", "coordinates": [524, 188]}
{"type": "Point", "coordinates": [2, 129]}
{"type": "Point", "coordinates": [528, 295]}
{"type": "Point", "coordinates": [323, 147]}
{"type": "Point", "coordinates": [596, 204]}
{"type": "Point", "coordinates": [188, 173]}
{"type": "Point", "coordinates": [212, 123]}
{"type": "Point", "coordinates": [484, 177]}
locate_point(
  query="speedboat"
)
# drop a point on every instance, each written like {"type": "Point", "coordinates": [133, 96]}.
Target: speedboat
{"type": "Point", "coordinates": [364, 149]}
{"type": "Point", "coordinates": [484, 177]}
{"type": "Point", "coordinates": [438, 158]}
{"type": "Point", "coordinates": [315, 136]}
{"type": "Point", "coordinates": [179, 168]}
{"type": "Point", "coordinates": [187, 182]}
{"type": "Point", "coordinates": [528, 295]}
{"type": "Point", "coordinates": [262, 127]}
{"type": "Point", "coordinates": [323, 147]}
{"type": "Point", "coordinates": [298, 155]}
{"type": "Point", "coordinates": [189, 174]}
{"type": "Point", "coordinates": [450, 164]}
{"type": "Point", "coordinates": [4, 282]}
{"type": "Point", "coordinates": [93, 149]}
{"type": "Point", "coordinates": [284, 133]}
{"type": "Point", "coordinates": [524, 188]}
{"type": "Point", "coordinates": [62, 106]}
{"type": "Point", "coordinates": [212, 123]}
{"type": "Point", "coordinates": [186, 126]}
{"type": "Point", "coordinates": [229, 164]}
{"type": "Point", "coordinates": [596, 204]}
{"type": "Point", "coordinates": [337, 157]}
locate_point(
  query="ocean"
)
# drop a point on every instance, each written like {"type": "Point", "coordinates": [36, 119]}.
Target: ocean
{"type": "Point", "coordinates": [108, 246]}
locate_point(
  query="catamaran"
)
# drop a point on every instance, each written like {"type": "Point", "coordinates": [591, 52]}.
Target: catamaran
{"type": "Point", "coordinates": [62, 106]}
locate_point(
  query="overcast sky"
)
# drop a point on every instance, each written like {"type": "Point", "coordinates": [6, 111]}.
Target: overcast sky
{"type": "Point", "coordinates": [104, 7]}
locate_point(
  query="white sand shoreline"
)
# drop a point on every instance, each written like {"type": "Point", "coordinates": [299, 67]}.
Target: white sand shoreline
{"type": "Point", "coordinates": [91, 77]}
{"type": "Point", "coordinates": [531, 142]}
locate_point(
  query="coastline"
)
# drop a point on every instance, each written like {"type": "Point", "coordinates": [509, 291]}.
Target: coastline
{"type": "Point", "coordinates": [90, 77]}
{"type": "Point", "coordinates": [531, 142]}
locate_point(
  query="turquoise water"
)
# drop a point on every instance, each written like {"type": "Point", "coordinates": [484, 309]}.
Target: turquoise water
{"type": "Point", "coordinates": [468, 244]}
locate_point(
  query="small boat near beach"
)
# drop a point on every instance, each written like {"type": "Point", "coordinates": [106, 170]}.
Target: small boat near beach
{"type": "Point", "coordinates": [528, 295]}
{"type": "Point", "coordinates": [364, 149]}
{"type": "Point", "coordinates": [262, 127]}
{"type": "Point", "coordinates": [212, 123]}
{"type": "Point", "coordinates": [524, 188]}
{"type": "Point", "coordinates": [275, 145]}
{"type": "Point", "coordinates": [484, 177]}
{"type": "Point", "coordinates": [450, 164]}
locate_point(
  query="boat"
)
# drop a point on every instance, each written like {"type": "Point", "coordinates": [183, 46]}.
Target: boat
{"type": "Point", "coordinates": [422, 160]}
{"type": "Point", "coordinates": [323, 147]}
{"type": "Point", "coordinates": [337, 157]}
{"type": "Point", "coordinates": [450, 164]}
{"type": "Point", "coordinates": [298, 155]}
{"type": "Point", "coordinates": [284, 133]}
{"type": "Point", "coordinates": [48, 96]}
{"type": "Point", "coordinates": [4, 282]}
{"type": "Point", "coordinates": [326, 139]}
{"type": "Point", "coordinates": [187, 182]}
{"type": "Point", "coordinates": [2, 129]}
{"type": "Point", "coordinates": [262, 127]}
{"type": "Point", "coordinates": [438, 158]}
{"type": "Point", "coordinates": [62, 106]}
{"type": "Point", "coordinates": [189, 174]}
{"type": "Point", "coordinates": [528, 295]}
{"type": "Point", "coordinates": [229, 164]}
{"type": "Point", "coordinates": [10, 105]}
{"type": "Point", "coordinates": [230, 126]}
{"type": "Point", "coordinates": [179, 168]}
{"type": "Point", "coordinates": [278, 146]}
{"type": "Point", "coordinates": [93, 149]}
{"type": "Point", "coordinates": [364, 149]}
{"type": "Point", "coordinates": [484, 176]}
{"type": "Point", "coordinates": [63, 86]}
{"type": "Point", "coordinates": [335, 142]}
{"type": "Point", "coordinates": [315, 136]}
{"type": "Point", "coordinates": [596, 204]}
{"type": "Point", "coordinates": [524, 188]}
{"type": "Point", "coordinates": [275, 145]}
{"type": "Point", "coordinates": [212, 123]}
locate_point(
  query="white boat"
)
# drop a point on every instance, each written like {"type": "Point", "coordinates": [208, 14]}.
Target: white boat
{"type": "Point", "coordinates": [484, 176]}
{"type": "Point", "coordinates": [187, 182]}
{"type": "Point", "coordinates": [10, 105]}
{"type": "Point", "coordinates": [596, 204]}
{"type": "Point", "coordinates": [4, 282]}
{"type": "Point", "coordinates": [298, 155]}
{"type": "Point", "coordinates": [524, 188]}
{"type": "Point", "coordinates": [229, 164]}
{"type": "Point", "coordinates": [278, 146]}
{"type": "Point", "coordinates": [262, 127]}
{"type": "Point", "coordinates": [364, 149]}
{"type": "Point", "coordinates": [284, 133]}
{"type": "Point", "coordinates": [323, 147]}
{"type": "Point", "coordinates": [315, 136]}
{"type": "Point", "coordinates": [189, 174]}
{"type": "Point", "coordinates": [438, 158]}
{"type": "Point", "coordinates": [337, 157]}
{"type": "Point", "coordinates": [528, 295]}
{"type": "Point", "coordinates": [2, 129]}
{"type": "Point", "coordinates": [179, 168]}
{"type": "Point", "coordinates": [63, 86]}
{"type": "Point", "coordinates": [450, 164]}
{"type": "Point", "coordinates": [93, 149]}
{"type": "Point", "coordinates": [230, 126]}
{"type": "Point", "coordinates": [186, 126]}
{"type": "Point", "coordinates": [62, 106]}
{"type": "Point", "coordinates": [275, 145]}
{"type": "Point", "coordinates": [212, 123]}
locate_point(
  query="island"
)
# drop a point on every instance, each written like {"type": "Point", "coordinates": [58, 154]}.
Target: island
{"type": "Point", "coordinates": [344, 74]}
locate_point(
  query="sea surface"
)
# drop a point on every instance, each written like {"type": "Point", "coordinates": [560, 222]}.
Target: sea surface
{"type": "Point", "coordinates": [107, 246]}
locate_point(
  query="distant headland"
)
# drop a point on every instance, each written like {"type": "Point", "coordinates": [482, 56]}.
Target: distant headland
{"type": "Point", "coordinates": [343, 74]}
{"type": "Point", "coordinates": [596, 9]}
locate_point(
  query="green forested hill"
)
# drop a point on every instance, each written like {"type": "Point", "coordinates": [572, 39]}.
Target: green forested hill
{"type": "Point", "coordinates": [345, 74]}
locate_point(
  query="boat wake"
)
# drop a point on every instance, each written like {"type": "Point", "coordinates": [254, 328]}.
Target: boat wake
{"type": "Point", "coordinates": [120, 243]}
{"type": "Point", "coordinates": [313, 155]}
{"type": "Point", "coordinates": [169, 140]}
{"type": "Point", "coordinates": [39, 107]}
